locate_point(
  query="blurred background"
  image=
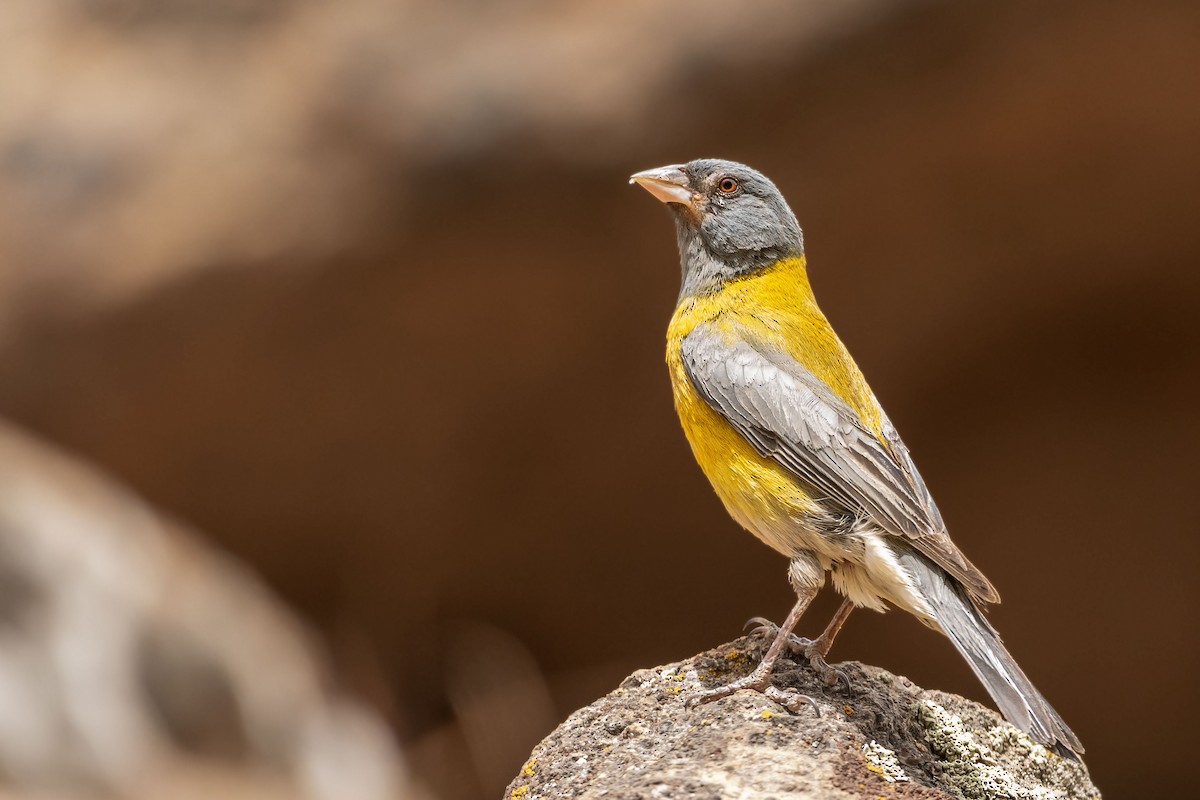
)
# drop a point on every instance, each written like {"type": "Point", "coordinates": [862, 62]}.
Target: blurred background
{"type": "Point", "coordinates": [340, 459]}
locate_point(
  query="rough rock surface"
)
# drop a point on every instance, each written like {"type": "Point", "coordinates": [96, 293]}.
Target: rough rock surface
{"type": "Point", "coordinates": [883, 737]}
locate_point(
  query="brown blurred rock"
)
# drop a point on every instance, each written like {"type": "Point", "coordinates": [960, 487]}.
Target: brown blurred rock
{"type": "Point", "coordinates": [136, 662]}
{"type": "Point", "coordinates": [193, 135]}
{"type": "Point", "coordinates": [883, 737]}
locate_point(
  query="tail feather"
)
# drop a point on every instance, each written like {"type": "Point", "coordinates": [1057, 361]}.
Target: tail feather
{"type": "Point", "coordinates": [974, 637]}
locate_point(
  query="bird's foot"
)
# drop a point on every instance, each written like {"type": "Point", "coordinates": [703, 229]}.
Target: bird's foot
{"type": "Point", "coordinates": [764, 627]}
{"type": "Point", "coordinates": [814, 650]}
{"type": "Point", "coordinates": [759, 681]}
{"type": "Point", "coordinates": [830, 676]}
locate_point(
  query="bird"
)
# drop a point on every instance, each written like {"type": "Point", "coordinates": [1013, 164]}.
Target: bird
{"type": "Point", "coordinates": [783, 424]}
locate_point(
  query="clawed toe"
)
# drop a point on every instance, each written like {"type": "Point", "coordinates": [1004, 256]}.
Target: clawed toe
{"type": "Point", "coordinates": [829, 675]}
{"type": "Point", "coordinates": [764, 627]}
{"type": "Point", "coordinates": [758, 682]}
{"type": "Point", "coordinates": [760, 679]}
{"type": "Point", "coordinates": [761, 624]}
{"type": "Point", "coordinates": [792, 701]}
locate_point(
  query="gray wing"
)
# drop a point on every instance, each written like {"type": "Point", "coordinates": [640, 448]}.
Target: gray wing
{"type": "Point", "coordinates": [788, 415]}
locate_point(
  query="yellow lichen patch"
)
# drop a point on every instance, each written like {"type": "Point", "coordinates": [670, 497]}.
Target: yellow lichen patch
{"type": "Point", "coordinates": [519, 793]}
{"type": "Point", "coordinates": [527, 770]}
{"type": "Point", "coordinates": [767, 713]}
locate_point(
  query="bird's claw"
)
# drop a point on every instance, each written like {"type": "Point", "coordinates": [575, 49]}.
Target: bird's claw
{"type": "Point", "coordinates": [791, 700]}
{"type": "Point", "coordinates": [759, 680]}
{"type": "Point", "coordinates": [764, 627]}
{"type": "Point", "coordinates": [810, 649]}
{"type": "Point", "coordinates": [829, 675]}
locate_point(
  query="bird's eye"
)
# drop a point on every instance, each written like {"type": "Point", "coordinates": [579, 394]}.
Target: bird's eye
{"type": "Point", "coordinates": [728, 185]}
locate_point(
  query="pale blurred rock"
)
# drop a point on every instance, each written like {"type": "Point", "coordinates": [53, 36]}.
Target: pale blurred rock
{"type": "Point", "coordinates": [135, 661]}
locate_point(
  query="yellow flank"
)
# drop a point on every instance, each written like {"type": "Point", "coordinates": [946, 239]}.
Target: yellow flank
{"type": "Point", "coordinates": [773, 307]}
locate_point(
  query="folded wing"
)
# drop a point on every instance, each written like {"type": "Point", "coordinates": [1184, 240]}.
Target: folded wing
{"type": "Point", "coordinates": [789, 415]}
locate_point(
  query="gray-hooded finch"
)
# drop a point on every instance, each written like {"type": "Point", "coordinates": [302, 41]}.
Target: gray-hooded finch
{"type": "Point", "coordinates": [796, 445]}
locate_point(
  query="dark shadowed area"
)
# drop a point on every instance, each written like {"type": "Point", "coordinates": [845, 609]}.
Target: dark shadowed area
{"type": "Point", "coordinates": [359, 293]}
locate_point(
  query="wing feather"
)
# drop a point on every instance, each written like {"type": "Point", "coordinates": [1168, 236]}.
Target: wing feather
{"type": "Point", "coordinates": [789, 415]}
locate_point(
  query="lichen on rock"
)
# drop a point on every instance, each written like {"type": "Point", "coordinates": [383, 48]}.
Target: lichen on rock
{"type": "Point", "coordinates": [991, 759]}
{"type": "Point", "coordinates": [881, 737]}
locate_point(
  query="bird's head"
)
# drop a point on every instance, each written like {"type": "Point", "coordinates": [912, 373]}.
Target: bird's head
{"type": "Point", "coordinates": [730, 220]}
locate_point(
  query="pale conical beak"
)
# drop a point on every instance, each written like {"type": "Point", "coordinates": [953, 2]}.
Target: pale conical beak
{"type": "Point", "coordinates": [668, 184]}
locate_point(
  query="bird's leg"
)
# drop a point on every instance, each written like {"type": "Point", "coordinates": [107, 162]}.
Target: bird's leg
{"type": "Point", "coordinates": [760, 679]}
{"type": "Point", "coordinates": [815, 650]}
{"type": "Point", "coordinates": [821, 645]}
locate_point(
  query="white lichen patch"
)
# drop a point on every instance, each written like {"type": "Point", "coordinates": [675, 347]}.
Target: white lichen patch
{"type": "Point", "coordinates": [980, 767]}
{"type": "Point", "coordinates": [1001, 738]}
{"type": "Point", "coordinates": [882, 761]}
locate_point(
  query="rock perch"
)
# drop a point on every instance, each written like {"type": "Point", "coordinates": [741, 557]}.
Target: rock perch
{"type": "Point", "coordinates": [884, 737]}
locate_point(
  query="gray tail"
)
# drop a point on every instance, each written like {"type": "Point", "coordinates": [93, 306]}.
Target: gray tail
{"type": "Point", "coordinates": [978, 642]}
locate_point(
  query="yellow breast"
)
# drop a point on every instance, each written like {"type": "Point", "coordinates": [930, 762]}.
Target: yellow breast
{"type": "Point", "coordinates": [774, 307]}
